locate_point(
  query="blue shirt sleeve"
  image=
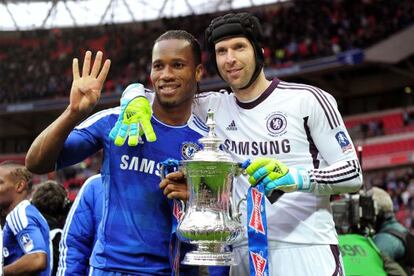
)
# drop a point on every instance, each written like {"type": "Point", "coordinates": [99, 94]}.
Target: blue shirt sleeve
{"type": "Point", "coordinates": [80, 228]}
{"type": "Point", "coordinates": [30, 238]}
{"type": "Point", "coordinates": [86, 139]}
{"type": "Point", "coordinates": [25, 223]}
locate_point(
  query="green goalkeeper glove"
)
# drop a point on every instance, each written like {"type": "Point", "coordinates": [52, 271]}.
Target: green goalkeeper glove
{"type": "Point", "coordinates": [134, 120]}
{"type": "Point", "coordinates": [275, 175]}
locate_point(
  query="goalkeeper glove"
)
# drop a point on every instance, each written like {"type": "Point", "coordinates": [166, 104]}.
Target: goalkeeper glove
{"type": "Point", "coordinates": [275, 175]}
{"type": "Point", "coordinates": [134, 119]}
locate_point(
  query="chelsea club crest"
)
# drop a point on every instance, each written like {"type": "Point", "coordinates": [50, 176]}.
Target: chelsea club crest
{"type": "Point", "coordinates": [276, 124]}
{"type": "Point", "coordinates": [188, 149]}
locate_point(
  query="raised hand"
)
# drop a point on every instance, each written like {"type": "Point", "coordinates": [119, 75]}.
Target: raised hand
{"type": "Point", "coordinates": [273, 174]}
{"type": "Point", "coordinates": [86, 89]}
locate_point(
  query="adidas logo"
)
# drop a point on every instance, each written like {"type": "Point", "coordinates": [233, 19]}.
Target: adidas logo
{"type": "Point", "coordinates": [232, 126]}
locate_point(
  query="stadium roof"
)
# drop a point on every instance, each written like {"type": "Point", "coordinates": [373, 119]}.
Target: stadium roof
{"type": "Point", "coordinates": [38, 14]}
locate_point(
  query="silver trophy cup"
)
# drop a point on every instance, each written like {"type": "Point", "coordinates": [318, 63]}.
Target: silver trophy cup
{"type": "Point", "coordinates": [211, 219]}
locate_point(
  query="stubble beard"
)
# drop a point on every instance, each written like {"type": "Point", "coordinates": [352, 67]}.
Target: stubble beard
{"type": "Point", "coordinates": [167, 104]}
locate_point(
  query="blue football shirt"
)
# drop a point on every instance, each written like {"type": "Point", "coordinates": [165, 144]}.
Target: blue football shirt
{"type": "Point", "coordinates": [136, 226]}
{"type": "Point", "coordinates": [25, 232]}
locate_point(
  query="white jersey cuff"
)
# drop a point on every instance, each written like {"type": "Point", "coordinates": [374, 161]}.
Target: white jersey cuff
{"type": "Point", "coordinates": [133, 90]}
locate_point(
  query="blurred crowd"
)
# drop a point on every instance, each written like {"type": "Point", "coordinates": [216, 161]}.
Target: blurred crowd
{"type": "Point", "coordinates": [396, 121]}
{"type": "Point", "coordinates": [37, 64]}
{"type": "Point", "coordinates": [372, 128]}
{"type": "Point", "coordinates": [399, 183]}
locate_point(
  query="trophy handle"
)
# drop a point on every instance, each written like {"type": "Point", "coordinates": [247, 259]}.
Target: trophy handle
{"type": "Point", "coordinates": [241, 167]}
{"type": "Point", "coordinates": [238, 214]}
{"type": "Point", "coordinates": [182, 203]}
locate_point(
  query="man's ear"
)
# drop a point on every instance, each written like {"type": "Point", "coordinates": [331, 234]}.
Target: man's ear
{"type": "Point", "coordinates": [21, 186]}
{"type": "Point", "coordinates": [199, 72]}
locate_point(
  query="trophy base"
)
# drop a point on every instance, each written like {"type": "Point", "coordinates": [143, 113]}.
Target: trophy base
{"type": "Point", "coordinates": [209, 258]}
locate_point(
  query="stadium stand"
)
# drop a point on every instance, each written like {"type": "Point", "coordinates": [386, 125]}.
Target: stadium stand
{"type": "Point", "coordinates": [35, 64]}
{"type": "Point", "coordinates": [386, 122]}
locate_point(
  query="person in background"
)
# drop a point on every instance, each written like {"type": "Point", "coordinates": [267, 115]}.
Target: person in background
{"type": "Point", "coordinates": [387, 229]}
{"type": "Point", "coordinates": [51, 199]}
{"type": "Point", "coordinates": [26, 233]}
{"type": "Point", "coordinates": [355, 217]}
{"type": "Point", "coordinates": [81, 228]}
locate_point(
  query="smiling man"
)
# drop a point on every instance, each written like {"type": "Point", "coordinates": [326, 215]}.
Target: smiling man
{"type": "Point", "coordinates": [134, 234]}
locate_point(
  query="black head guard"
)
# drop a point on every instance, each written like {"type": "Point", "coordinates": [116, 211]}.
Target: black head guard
{"type": "Point", "coordinates": [234, 25]}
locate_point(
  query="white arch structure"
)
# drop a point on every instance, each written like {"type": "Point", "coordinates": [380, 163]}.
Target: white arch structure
{"type": "Point", "coordinates": [46, 14]}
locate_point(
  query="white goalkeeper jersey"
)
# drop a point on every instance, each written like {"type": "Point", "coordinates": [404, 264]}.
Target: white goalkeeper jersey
{"type": "Point", "coordinates": [299, 125]}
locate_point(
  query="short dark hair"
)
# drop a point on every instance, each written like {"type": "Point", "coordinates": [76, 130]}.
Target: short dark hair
{"type": "Point", "coordinates": [183, 35]}
{"type": "Point", "coordinates": [19, 172]}
{"type": "Point", "coordinates": [51, 198]}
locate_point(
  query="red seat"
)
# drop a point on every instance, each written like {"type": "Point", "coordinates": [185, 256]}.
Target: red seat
{"type": "Point", "coordinates": [392, 122]}
{"type": "Point", "coordinates": [389, 147]}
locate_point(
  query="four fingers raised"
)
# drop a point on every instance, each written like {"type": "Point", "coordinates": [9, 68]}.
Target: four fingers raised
{"type": "Point", "coordinates": [96, 72]}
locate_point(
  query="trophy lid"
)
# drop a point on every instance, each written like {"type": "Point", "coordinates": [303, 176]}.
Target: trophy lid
{"type": "Point", "coordinates": [211, 145]}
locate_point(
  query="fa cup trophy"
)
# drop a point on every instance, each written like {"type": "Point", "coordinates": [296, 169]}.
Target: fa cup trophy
{"type": "Point", "coordinates": [211, 220]}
